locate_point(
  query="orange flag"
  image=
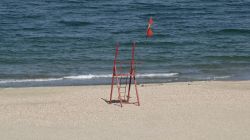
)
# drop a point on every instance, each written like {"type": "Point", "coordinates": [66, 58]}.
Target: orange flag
{"type": "Point", "coordinates": [149, 30]}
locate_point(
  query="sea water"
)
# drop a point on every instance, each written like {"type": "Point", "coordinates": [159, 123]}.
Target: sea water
{"type": "Point", "coordinates": [72, 42]}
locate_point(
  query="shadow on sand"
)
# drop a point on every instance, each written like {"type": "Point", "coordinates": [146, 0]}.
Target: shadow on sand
{"type": "Point", "coordinates": [115, 102]}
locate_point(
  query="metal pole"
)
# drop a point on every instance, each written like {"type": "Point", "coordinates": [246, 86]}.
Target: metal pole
{"type": "Point", "coordinates": [114, 72]}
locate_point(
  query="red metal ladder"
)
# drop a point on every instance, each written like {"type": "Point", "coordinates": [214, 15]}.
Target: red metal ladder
{"type": "Point", "coordinates": [118, 77]}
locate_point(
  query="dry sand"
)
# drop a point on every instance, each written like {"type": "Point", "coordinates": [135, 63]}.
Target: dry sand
{"type": "Point", "coordinates": [174, 111]}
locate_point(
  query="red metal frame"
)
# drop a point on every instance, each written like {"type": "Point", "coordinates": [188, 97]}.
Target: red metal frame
{"type": "Point", "coordinates": [131, 74]}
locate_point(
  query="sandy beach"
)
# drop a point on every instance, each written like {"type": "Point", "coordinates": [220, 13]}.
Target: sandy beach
{"type": "Point", "coordinates": [211, 110]}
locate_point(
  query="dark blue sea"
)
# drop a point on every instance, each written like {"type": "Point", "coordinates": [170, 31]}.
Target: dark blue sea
{"type": "Point", "coordinates": [72, 42]}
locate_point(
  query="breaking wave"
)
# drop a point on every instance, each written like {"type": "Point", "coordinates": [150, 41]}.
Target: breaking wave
{"type": "Point", "coordinates": [86, 77]}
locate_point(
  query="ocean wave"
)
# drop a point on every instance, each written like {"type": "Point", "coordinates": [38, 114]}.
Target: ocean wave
{"type": "Point", "coordinates": [218, 77]}
{"type": "Point", "coordinates": [89, 76]}
{"type": "Point", "coordinates": [222, 77]}
{"type": "Point", "coordinates": [231, 58]}
{"type": "Point", "coordinates": [28, 80]}
{"type": "Point", "coordinates": [75, 23]}
{"type": "Point", "coordinates": [146, 75]}
{"type": "Point", "coordinates": [233, 31]}
{"type": "Point", "coordinates": [86, 77]}
{"type": "Point", "coordinates": [155, 75]}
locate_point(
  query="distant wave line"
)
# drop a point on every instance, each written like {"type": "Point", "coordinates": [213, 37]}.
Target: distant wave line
{"type": "Point", "coordinates": [231, 31]}
{"type": "Point", "coordinates": [28, 80]}
{"type": "Point", "coordinates": [86, 77]}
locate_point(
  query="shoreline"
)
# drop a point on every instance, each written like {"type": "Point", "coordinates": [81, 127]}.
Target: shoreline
{"type": "Point", "coordinates": [181, 110]}
{"type": "Point", "coordinates": [138, 83]}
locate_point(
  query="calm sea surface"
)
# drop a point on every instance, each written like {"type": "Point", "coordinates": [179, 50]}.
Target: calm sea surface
{"type": "Point", "coordinates": [72, 42]}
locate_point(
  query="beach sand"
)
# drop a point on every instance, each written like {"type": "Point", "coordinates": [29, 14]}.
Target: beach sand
{"type": "Point", "coordinates": [211, 110]}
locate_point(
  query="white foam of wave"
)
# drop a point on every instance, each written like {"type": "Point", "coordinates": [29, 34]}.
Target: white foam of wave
{"type": "Point", "coordinates": [89, 76]}
{"type": "Point", "coordinates": [29, 80]}
{"type": "Point", "coordinates": [150, 75]}
{"type": "Point", "coordinates": [217, 77]}
{"type": "Point", "coordinates": [157, 75]}
{"type": "Point", "coordinates": [222, 77]}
